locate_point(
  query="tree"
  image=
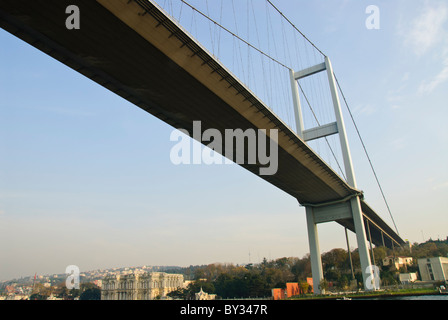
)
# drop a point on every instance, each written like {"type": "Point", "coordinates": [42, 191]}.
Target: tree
{"type": "Point", "coordinates": [179, 294]}
{"type": "Point", "coordinates": [302, 268]}
{"type": "Point", "coordinates": [273, 277]}
{"type": "Point", "coordinates": [336, 258]}
{"type": "Point", "coordinates": [324, 285]}
{"type": "Point", "coordinates": [256, 285]}
{"type": "Point", "coordinates": [264, 263]}
{"type": "Point", "coordinates": [61, 290]}
{"type": "Point", "coordinates": [75, 293]}
{"type": "Point", "coordinates": [387, 278]}
{"type": "Point", "coordinates": [332, 274]}
{"type": "Point", "coordinates": [195, 287]}
{"type": "Point", "coordinates": [37, 296]}
{"type": "Point", "coordinates": [91, 294]}
{"type": "Point", "coordinates": [41, 291]}
{"type": "Point", "coordinates": [380, 253]}
{"type": "Point", "coordinates": [304, 287]}
{"type": "Point", "coordinates": [223, 286]}
{"type": "Point", "coordinates": [342, 283]}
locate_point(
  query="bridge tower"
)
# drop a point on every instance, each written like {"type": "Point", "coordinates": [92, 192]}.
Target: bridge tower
{"type": "Point", "coordinates": [348, 208]}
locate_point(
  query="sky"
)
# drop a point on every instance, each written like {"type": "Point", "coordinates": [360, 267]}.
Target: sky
{"type": "Point", "coordinates": [86, 177]}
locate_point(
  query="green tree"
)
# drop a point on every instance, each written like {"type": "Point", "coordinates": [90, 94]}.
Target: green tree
{"type": "Point", "coordinates": [91, 294]}
{"type": "Point", "coordinates": [179, 294]}
{"type": "Point", "coordinates": [336, 259]}
{"type": "Point", "coordinates": [304, 286]}
{"type": "Point", "coordinates": [196, 286]}
{"type": "Point", "coordinates": [324, 285]}
{"type": "Point", "coordinates": [302, 268]}
{"type": "Point", "coordinates": [273, 277]}
{"type": "Point", "coordinates": [75, 293]}
{"type": "Point", "coordinates": [380, 253]}
{"type": "Point", "coordinates": [37, 296]}
{"type": "Point", "coordinates": [333, 275]}
{"type": "Point", "coordinates": [388, 278]}
{"type": "Point", "coordinates": [342, 283]}
{"type": "Point", "coordinates": [41, 290]}
{"type": "Point", "coordinates": [256, 285]}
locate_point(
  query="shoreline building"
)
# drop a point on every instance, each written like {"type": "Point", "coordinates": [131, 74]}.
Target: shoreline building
{"type": "Point", "coordinates": [140, 286]}
{"type": "Point", "coordinates": [397, 262]}
{"type": "Point", "coordinates": [433, 269]}
{"type": "Point", "coordinates": [201, 295]}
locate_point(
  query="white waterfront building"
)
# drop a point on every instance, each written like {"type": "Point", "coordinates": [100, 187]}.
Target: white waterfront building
{"type": "Point", "coordinates": [140, 286]}
{"type": "Point", "coordinates": [433, 269]}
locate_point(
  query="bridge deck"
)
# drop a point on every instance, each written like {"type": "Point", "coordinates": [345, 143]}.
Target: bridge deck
{"type": "Point", "coordinates": [135, 50]}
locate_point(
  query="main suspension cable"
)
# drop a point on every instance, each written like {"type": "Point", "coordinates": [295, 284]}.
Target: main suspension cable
{"type": "Point", "coordinates": [289, 21]}
{"type": "Point", "coordinates": [367, 154]}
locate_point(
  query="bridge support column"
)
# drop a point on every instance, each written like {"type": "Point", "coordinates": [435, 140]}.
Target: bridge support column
{"type": "Point", "coordinates": [337, 212]}
{"type": "Point", "coordinates": [348, 210]}
{"type": "Point", "coordinates": [363, 248]}
{"type": "Point", "coordinates": [297, 106]}
{"type": "Point", "coordinates": [315, 257]}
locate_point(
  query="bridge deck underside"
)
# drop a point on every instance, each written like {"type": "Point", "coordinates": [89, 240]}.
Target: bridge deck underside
{"type": "Point", "coordinates": [162, 81]}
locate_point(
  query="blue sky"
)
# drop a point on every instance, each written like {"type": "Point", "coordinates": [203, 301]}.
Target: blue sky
{"type": "Point", "coordinates": [86, 178]}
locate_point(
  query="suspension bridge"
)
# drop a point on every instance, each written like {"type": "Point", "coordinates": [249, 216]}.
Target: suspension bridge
{"type": "Point", "coordinates": [137, 50]}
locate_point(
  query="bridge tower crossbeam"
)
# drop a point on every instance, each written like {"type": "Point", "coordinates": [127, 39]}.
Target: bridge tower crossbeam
{"type": "Point", "coordinates": [346, 208]}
